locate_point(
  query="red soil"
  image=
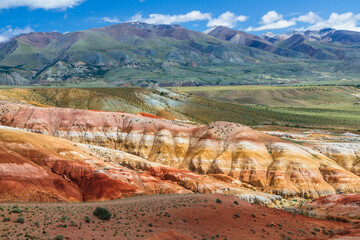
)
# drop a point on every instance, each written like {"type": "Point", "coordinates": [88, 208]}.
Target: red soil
{"type": "Point", "coordinates": [149, 115]}
{"type": "Point", "coordinates": [165, 217]}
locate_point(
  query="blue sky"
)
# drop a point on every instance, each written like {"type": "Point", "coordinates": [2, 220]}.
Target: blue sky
{"type": "Point", "coordinates": [255, 16]}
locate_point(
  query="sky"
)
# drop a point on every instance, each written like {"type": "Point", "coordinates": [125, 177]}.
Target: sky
{"type": "Point", "coordinates": [253, 16]}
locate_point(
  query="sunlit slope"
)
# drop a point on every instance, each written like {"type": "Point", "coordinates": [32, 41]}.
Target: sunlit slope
{"type": "Point", "coordinates": [335, 105]}
{"type": "Point", "coordinates": [172, 104]}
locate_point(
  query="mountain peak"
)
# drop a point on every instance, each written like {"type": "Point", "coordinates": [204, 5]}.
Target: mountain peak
{"type": "Point", "coordinates": [207, 31]}
{"type": "Point", "coordinates": [38, 39]}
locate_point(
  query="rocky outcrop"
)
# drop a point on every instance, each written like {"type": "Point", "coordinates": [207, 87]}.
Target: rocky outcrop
{"type": "Point", "coordinates": [346, 155]}
{"type": "Point", "coordinates": [264, 162]}
{"type": "Point", "coordinates": [343, 148]}
{"type": "Point", "coordinates": [39, 168]}
{"type": "Point", "coordinates": [345, 208]}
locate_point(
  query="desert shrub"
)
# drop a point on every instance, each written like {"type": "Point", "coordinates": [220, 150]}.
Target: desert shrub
{"type": "Point", "coordinates": [16, 210]}
{"type": "Point", "coordinates": [20, 220]}
{"type": "Point", "coordinates": [63, 218]}
{"type": "Point", "coordinates": [102, 213]}
{"type": "Point", "coordinates": [236, 202]}
{"type": "Point", "coordinates": [59, 237]}
{"type": "Point", "coordinates": [87, 219]}
{"type": "Point", "coordinates": [218, 200]}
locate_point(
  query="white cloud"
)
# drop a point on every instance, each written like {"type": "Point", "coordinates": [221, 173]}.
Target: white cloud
{"type": "Point", "coordinates": [345, 21]}
{"type": "Point", "coordinates": [272, 20]}
{"type": "Point", "coordinates": [227, 19]}
{"type": "Point", "coordinates": [271, 17]}
{"type": "Point", "coordinates": [44, 4]}
{"type": "Point", "coordinates": [310, 17]}
{"type": "Point", "coordinates": [110, 20]}
{"type": "Point", "coordinates": [276, 25]}
{"type": "Point", "coordinates": [171, 19]}
{"type": "Point", "coordinates": [8, 32]}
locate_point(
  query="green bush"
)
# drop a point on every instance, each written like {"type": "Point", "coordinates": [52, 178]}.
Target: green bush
{"type": "Point", "coordinates": [218, 200]}
{"type": "Point", "coordinates": [20, 220]}
{"type": "Point", "coordinates": [59, 237]}
{"type": "Point", "coordinates": [63, 218]}
{"type": "Point", "coordinates": [102, 213]}
{"type": "Point", "coordinates": [87, 219]}
{"type": "Point", "coordinates": [16, 210]}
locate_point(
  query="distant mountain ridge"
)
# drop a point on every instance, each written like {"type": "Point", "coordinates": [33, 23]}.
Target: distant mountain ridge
{"type": "Point", "coordinates": [171, 55]}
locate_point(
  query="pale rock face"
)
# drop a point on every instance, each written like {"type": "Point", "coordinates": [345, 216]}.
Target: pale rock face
{"type": "Point", "coordinates": [250, 161]}
{"type": "Point", "coordinates": [345, 154]}
{"type": "Point", "coordinates": [341, 148]}
{"type": "Point", "coordinates": [265, 162]}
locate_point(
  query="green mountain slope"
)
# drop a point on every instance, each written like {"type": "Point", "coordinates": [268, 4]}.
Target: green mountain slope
{"type": "Point", "coordinates": [166, 55]}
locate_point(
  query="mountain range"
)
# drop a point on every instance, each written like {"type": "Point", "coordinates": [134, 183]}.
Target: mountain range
{"type": "Point", "coordinates": [171, 55]}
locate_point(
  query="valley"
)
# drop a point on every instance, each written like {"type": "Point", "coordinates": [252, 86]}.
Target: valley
{"type": "Point", "coordinates": [145, 130]}
{"type": "Point", "coordinates": [305, 107]}
{"type": "Point", "coordinates": [79, 145]}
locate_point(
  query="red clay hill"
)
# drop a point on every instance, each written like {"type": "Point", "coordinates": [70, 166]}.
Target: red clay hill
{"type": "Point", "coordinates": [260, 161]}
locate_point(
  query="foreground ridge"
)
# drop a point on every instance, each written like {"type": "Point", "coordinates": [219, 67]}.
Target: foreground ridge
{"type": "Point", "coordinates": [225, 151]}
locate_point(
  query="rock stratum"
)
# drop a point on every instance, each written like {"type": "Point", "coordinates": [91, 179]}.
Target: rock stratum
{"type": "Point", "coordinates": [344, 208]}
{"type": "Point", "coordinates": [35, 167]}
{"type": "Point", "coordinates": [109, 155]}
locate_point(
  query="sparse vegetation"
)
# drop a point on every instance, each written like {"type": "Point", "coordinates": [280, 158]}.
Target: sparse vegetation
{"type": "Point", "coordinates": [130, 219]}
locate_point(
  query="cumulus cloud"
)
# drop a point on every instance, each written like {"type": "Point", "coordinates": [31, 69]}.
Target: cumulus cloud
{"type": "Point", "coordinates": [276, 25]}
{"type": "Point", "coordinates": [345, 21]}
{"type": "Point", "coordinates": [272, 20]}
{"type": "Point", "coordinates": [310, 17]}
{"type": "Point", "coordinates": [269, 21]}
{"type": "Point", "coordinates": [171, 19]}
{"type": "Point", "coordinates": [227, 19]}
{"type": "Point", "coordinates": [36, 4]}
{"type": "Point", "coordinates": [8, 32]}
{"type": "Point", "coordinates": [110, 20]}
{"type": "Point", "coordinates": [271, 17]}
